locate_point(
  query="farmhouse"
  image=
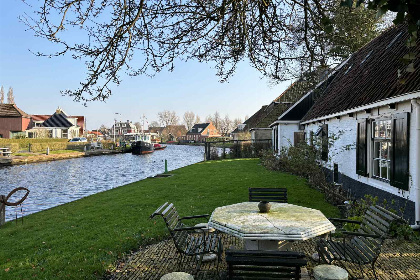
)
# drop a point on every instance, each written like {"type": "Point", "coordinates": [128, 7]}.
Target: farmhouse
{"type": "Point", "coordinates": [366, 114]}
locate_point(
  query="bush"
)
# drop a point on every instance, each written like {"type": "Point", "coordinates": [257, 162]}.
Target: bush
{"type": "Point", "coordinates": [108, 145]}
{"type": "Point", "coordinates": [214, 153]}
{"type": "Point", "coordinates": [398, 230]}
{"type": "Point", "coordinates": [248, 149]}
{"type": "Point", "coordinates": [24, 143]}
{"type": "Point", "coordinates": [13, 147]}
{"type": "Point", "coordinates": [301, 160]}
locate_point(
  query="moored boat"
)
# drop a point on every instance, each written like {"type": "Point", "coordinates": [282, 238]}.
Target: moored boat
{"type": "Point", "coordinates": [142, 146]}
{"type": "Point", "coordinates": [158, 146]}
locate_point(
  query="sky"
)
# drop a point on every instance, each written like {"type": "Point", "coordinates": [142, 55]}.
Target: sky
{"type": "Point", "coordinates": [192, 86]}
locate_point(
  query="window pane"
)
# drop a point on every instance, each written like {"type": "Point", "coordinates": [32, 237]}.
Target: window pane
{"type": "Point", "coordinates": [384, 150]}
{"type": "Point", "coordinates": [376, 150]}
{"type": "Point", "coordinates": [384, 169]}
{"type": "Point", "coordinates": [375, 130]}
{"type": "Point", "coordinates": [388, 128]}
{"type": "Point", "coordinates": [376, 168]}
{"type": "Point", "coordinates": [382, 129]}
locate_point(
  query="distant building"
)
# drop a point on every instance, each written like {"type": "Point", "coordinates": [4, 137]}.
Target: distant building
{"type": "Point", "coordinates": [121, 128]}
{"type": "Point", "coordinates": [13, 121]}
{"type": "Point", "coordinates": [58, 125]}
{"type": "Point", "coordinates": [156, 133]}
{"type": "Point", "coordinates": [173, 132]}
{"type": "Point", "coordinates": [200, 132]}
{"type": "Point", "coordinates": [37, 121]}
{"type": "Point", "coordinates": [95, 134]}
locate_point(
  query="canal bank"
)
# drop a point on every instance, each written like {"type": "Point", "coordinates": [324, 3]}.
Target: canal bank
{"type": "Point", "coordinates": [16, 160]}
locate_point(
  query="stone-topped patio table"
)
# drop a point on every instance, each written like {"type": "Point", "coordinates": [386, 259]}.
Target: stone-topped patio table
{"type": "Point", "coordinates": [273, 230]}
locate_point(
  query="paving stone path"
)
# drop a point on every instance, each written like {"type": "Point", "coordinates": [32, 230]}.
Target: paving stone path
{"type": "Point", "coordinates": [398, 260]}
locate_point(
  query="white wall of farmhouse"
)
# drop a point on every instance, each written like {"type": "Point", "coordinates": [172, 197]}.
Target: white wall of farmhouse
{"type": "Point", "coordinates": [345, 130]}
{"type": "Point", "coordinates": [286, 134]}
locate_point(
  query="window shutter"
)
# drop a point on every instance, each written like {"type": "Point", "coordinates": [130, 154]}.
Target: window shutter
{"type": "Point", "coordinates": [399, 152]}
{"type": "Point", "coordinates": [324, 143]}
{"type": "Point", "coordinates": [299, 137]}
{"type": "Point", "coordinates": [361, 148]}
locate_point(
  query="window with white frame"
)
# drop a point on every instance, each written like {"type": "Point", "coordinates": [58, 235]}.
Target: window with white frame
{"type": "Point", "coordinates": [388, 156]}
{"type": "Point", "coordinates": [381, 141]}
{"type": "Point", "coordinates": [65, 134]}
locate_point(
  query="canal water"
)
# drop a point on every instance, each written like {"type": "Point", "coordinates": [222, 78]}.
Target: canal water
{"type": "Point", "coordinates": [57, 182]}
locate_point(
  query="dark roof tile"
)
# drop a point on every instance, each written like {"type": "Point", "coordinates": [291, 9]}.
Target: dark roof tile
{"type": "Point", "coordinates": [370, 75]}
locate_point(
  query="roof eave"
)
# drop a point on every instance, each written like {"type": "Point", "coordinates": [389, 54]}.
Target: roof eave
{"type": "Point", "coordinates": [284, 122]}
{"type": "Point", "coordinates": [384, 102]}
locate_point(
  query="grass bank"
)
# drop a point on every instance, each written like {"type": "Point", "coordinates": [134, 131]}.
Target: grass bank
{"type": "Point", "coordinates": [82, 239]}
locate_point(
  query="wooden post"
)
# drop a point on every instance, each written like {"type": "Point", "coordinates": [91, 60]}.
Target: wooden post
{"type": "Point", "coordinates": [208, 151]}
{"type": "Point", "coordinates": [2, 214]}
{"type": "Point", "coordinates": [224, 149]}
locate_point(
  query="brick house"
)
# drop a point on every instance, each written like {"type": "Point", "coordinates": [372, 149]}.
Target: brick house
{"type": "Point", "coordinates": [200, 132]}
{"type": "Point", "coordinates": [13, 121]}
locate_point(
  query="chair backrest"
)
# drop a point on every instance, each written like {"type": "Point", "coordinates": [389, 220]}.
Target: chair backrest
{"type": "Point", "coordinates": [248, 264]}
{"type": "Point", "coordinates": [171, 217]}
{"type": "Point", "coordinates": [377, 220]}
{"type": "Point", "coordinates": [268, 194]}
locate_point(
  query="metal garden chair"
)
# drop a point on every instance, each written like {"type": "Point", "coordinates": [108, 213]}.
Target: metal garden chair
{"type": "Point", "coordinates": [268, 194]}
{"type": "Point", "coordinates": [365, 244]}
{"type": "Point", "coordinates": [248, 264]}
{"type": "Point", "coordinates": [189, 241]}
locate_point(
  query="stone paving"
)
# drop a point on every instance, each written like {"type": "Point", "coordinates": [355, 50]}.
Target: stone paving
{"type": "Point", "coordinates": [398, 260]}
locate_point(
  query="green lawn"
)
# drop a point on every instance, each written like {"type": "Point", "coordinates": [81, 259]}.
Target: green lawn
{"type": "Point", "coordinates": [82, 239]}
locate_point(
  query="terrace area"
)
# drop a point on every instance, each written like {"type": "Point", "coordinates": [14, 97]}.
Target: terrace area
{"type": "Point", "coordinates": [398, 260]}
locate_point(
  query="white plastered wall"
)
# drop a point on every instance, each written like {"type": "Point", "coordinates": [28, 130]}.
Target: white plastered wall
{"type": "Point", "coordinates": [345, 129]}
{"type": "Point", "coordinates": [286, 134]}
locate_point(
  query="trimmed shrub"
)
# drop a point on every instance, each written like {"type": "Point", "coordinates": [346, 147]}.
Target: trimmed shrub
{"type": "Point", "coordinates": [107, 145]}
{"type": "Point", "coordinates": [13, 147]}
{"type": "Point", "coordinates": [24, 143]}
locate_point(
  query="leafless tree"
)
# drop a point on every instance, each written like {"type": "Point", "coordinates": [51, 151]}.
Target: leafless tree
{"type": "Point", "coordinates": [168, 118]}
{"type": "Point", "coordinates": [280, 38]}
{"type": "Point", "coordinates": [10, 97]}
{"type": "Point", "coordinates": [154, 124]}
{"type": "Point", "coordinates": [189, 118]}
{"type": "Point", "coordinates": [236, 122]}
{"type": "Point", "coordinates": [197, 119]}
{"type": "Point", "coordinates": [226, 125]}
{"type": "Point", "coordinates": [1, 95]}
{"type": "Point", "coordinates": [138, 126]}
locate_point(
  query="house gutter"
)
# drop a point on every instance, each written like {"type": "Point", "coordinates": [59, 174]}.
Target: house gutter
{"type": "Point", "coordinates": [416, 105]}
{"type": "Point", "coordinates": [283, 122]}
{"type": "Point", "coordinates": [397, 99]}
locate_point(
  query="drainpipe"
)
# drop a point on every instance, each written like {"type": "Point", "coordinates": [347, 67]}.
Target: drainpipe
{"type": "Point", "coordinates": [416, 105]}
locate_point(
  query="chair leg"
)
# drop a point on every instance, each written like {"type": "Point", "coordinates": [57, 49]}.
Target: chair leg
{"type": "Point", "coordinates": [361, 270]}
{"type": "Point", "coordinates": [200, 260]}
{"type": "Point", "coordinates": [374, 272]}
{"type": "Point", "coordinates": [180, 261]}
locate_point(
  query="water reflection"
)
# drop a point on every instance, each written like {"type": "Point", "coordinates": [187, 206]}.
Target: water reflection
{"type": "Point", "coordinates": [57, 182]}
